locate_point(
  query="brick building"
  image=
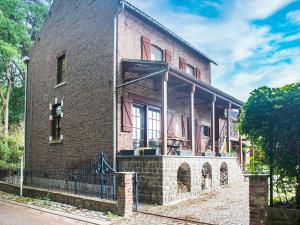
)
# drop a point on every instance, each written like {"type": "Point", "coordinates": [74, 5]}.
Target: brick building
{"type": "Point", "coordinates": [103, 75]}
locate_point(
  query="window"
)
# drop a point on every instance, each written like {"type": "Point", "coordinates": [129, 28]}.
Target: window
{"type": "Point", "coordinates": [145, 125]}
{"type": "Point", "coordinates": [190, 70]}
{"type": "Point", "coordinates": [206, 131]}
{"type": "Point", "coordinates": [153, 124]}
{"type": "Point", "coordinates": [61, 69]}
{"type": "Point", "coordinates": [138, 126]}
{"type": "Point", "coordinates": [56, 118]}
{"type": "Point", "coordinates": [156, 53]}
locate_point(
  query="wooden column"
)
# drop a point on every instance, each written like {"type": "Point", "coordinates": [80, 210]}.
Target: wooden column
{"type": "Point", "coordinates": [192, 121]}
{"type": "Point", "coordinates": [213, 124]}
{"type": "Point", "coordinates": [228, 128]}
{"type": "Point", "coordinates": [241, 150]}
{"type": "Point", "coordinates": [164, 129]}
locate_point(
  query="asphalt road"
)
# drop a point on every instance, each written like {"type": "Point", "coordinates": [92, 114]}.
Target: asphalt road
{"type": "Point", "coordinates": [11, 214]}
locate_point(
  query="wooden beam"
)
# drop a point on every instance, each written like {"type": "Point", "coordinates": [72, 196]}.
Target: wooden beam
{"type": "Point", "coordinates": [192, 121]}
{"type": "Point", "coordinates": [164, 148]}
{"type": "Point", "coordinates": [213, 123]}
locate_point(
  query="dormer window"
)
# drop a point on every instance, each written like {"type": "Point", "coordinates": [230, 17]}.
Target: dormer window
{"type": "Point", "coordinates": [190, 70]}
{"type": "Point", "coordinates": [156, 53]}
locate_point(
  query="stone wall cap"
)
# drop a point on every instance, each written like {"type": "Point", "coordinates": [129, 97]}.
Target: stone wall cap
{"type": "Point", "coordinates": [173, 156]}
{"type": "Point", "coordinates": [126, 173]}
{"type": "Point", "coordinates": [256, 175]}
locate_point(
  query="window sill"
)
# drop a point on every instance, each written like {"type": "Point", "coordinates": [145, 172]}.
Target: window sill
{"type": "Point", "coordinates": [60, 84]}
{"type": "Point", "coordinates": [56, 142]}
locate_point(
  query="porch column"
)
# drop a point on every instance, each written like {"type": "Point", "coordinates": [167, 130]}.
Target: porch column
{"type": "Point", "coordinates": [193, 118]}
{"type": "Point", "coordinates": [164, 129]}
{"type": "Point", "coordinates": [241, 150]}
{"type": "Point", "coordinates": [213, 123]}
{"type": "Point", "coordinates": [228, 128]}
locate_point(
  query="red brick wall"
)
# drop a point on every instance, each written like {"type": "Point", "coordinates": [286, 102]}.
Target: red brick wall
{"type": "Point", "coordinates": [85, 32]}
{"type": "Point", "coordinates": [130, 31]}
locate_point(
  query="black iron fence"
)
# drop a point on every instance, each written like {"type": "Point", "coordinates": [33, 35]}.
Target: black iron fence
{"type": "Point", "coordinates": [94, 179]}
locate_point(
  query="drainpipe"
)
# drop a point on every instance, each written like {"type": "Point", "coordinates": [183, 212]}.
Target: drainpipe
{"type": "Point", "coordinates": [23, 159]}
{"type": "Point", "coordinates": [114, 86]}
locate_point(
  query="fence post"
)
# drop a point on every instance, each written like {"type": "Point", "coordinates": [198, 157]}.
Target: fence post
{"type": "Point", "coordinates": [125, 195]}
{"type": "Point", "coordinates": [258, 198]}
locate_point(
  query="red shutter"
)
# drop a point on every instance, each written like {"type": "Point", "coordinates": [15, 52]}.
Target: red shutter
{"type": "Point", "coordinates": [198, 73]}
{"type": "Point", "coordinates": [127, 113]}
{"type": "Point", "coordinates": [182, 64]}
{"type": "Point", "coordinates": [146, 48]}
{"type": "Point", "coordinates": [171, 129]}
{"type": "Point", "coordinates": [188, 128]}
{"type": "Point", "coordinates": [197, 138]}
{"type": "Point", "coordinates": [168, 56]}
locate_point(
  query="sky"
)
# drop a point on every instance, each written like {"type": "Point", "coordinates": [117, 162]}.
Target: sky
{"type": "Point", "coordinates": [255, 42]}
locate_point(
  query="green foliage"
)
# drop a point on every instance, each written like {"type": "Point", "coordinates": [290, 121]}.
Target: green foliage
{"type": "Point", "coordinates": [270, 119]}
{"type": "Point", "coordinates": [11, 149]}
{"type": "Point", "coordinates": [16, 105]}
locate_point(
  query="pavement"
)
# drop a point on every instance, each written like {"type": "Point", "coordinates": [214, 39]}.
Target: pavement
{"type": "Point", "coordinates": [226, 206]}
{"type": "Point", "coordinates": [17, 214]}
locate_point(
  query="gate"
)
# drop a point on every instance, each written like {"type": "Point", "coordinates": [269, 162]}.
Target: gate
{"type": "Point", "coordinates": [96, 179]}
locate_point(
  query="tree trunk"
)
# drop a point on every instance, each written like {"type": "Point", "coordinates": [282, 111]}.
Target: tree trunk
{"type": "Point", "coordinates": [5, 117]}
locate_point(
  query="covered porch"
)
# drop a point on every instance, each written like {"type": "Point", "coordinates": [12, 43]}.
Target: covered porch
{"type": "Point", "coordinates": [184, 116]}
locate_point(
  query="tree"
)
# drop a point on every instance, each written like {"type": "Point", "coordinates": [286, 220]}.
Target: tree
{"type": "Point", "coordinates": [270, 119]}
{"type": "Point", "coordinates": [20, 22]}
{"type": "Point", "coordinates": [12, 36]}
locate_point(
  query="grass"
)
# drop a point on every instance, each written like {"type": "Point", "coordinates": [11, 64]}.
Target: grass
{"type": "Point", "coordinates": [111, 216]}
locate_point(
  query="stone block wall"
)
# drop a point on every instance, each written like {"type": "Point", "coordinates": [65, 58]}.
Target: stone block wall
{"type": "Point", "coordinates": [157, 175]}
{"type": "Point", "coordinates": [150, 176]}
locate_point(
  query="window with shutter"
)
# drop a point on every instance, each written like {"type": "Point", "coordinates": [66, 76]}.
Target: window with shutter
{"type": "Point", "coordinates": [198, 73]}
{"type": "Point", "coordinates": [171, 122]}
{"type": "Point", "coordinates": [168, 56]}
{"type": "Point", "coordinates": [127, 113]}
{"type": "Point", "coordinates": [182, 64]}
{"type": "Point", "coordinates": [146, 48]}
{"type": "Point", "coordinates": [197, 138]}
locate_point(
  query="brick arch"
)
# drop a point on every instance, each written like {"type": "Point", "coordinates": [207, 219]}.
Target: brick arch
{"type": "Point", "coordinates": [223, 174]}
{"type": "Point", "coordinates": [184, 178]}
{"type": "Point", "coordinates": [206, 182]}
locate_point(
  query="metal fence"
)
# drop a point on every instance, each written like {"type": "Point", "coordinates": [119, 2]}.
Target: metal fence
{"type": "Point", "coordinates": [94, 179]}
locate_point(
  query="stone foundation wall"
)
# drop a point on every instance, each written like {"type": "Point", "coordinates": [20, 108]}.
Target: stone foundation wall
{"type": "Point", "coordinates": [150, 176]}
{"type": "Point", "coordinates": [157, 175]}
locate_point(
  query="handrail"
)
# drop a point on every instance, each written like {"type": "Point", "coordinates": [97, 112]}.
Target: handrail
{"type": "Point", "coordinates": [222, 136]}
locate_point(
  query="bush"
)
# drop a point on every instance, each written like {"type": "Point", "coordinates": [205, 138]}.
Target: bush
{"type": "Point", "coordinates": [11, 149]}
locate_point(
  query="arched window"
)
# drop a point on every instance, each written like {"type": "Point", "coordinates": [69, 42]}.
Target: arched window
{"type": "Point", "coordinates": [190, 70]}
{"type": "Point", "coordinates": [156, 53]}
{"type": "Point", "coordinates": [184, 178]}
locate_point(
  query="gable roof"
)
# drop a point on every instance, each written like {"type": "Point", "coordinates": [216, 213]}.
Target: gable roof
{"type": "Point", "coordinates": [152, 21]}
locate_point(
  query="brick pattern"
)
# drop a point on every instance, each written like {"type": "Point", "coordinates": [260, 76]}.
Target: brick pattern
{"type": "Point", "coordinates": [258, 199]}
{"type": "Point", "coordinates": [87, 126]}
{"type": "Point", "coordinates": [130, 31]}
{"type": "Point", "coordinates": [125, 194]}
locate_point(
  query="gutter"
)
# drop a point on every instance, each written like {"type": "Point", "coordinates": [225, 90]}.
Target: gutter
{"type": "Point", "coordinates": [114, 87]}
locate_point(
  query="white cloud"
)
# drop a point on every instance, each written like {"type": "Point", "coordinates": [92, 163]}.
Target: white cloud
{"type": "Point", "coordinates": [234, 41]}
{"type": "Point", "coordinates": [294, 16]}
